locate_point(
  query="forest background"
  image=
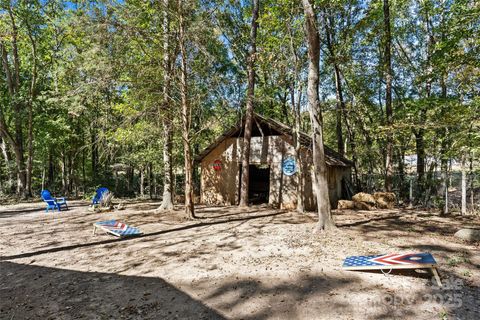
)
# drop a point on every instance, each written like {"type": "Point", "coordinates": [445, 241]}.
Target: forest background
{"type": "Point", "coordinates": [95, 92]}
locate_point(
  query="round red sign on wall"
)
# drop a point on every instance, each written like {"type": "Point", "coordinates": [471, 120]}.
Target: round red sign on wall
{"type": "Point", "coordinates": [217, 165]}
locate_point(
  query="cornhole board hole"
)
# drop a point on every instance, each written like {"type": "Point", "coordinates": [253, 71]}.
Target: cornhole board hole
{"type": "Point", "coordinates": [389, 262]}
{"type": "Point", "coordinates": [116, 228]}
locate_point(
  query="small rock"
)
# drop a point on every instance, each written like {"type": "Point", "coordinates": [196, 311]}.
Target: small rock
{"type": "Point", "coordinates": [468, 234]}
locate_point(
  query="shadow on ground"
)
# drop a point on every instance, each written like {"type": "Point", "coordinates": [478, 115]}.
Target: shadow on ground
{"type": "Point", "coordinates": [220, 265]}
{"type": "Point", "coordinates": [8, 213]}
{"type": "Point", "coordinates": [146, 235]}
{"type": "Point", "coordinates": [67, 294]}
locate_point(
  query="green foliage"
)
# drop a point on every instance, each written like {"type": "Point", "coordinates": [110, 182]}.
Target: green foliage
{"type": "Point", "coordinates": [97, 99]}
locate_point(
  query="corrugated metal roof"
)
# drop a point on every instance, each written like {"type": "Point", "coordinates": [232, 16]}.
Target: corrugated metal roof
{"type": "Point", "coordinates": [332, 158]}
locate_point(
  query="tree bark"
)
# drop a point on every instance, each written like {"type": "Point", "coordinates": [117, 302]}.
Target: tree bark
{"type": "Point", "coordinates": [388, 97]}
{"type": "Point", "coordinates": [420, 150]}
{"type": "Point", "coordinates": [444, 152]}
{"type": "Point", "coordinates": [19, 145]}
{"type": "Point", "coordinates": [353, 148]}
{"type": "Point", "coordinates": [319, 165]}
{"type": "Point", "coordinates": [420, 132]}
{"type": "Point", "coordinates": [244, 190]}
{"type": "Point", "coordinates": [51, 170]}
{"type": "Point", "coordinates": [464, 185]}
{"type": "Point", "coordinates": [64, 175]}
{"type": "Point", "coordinates": [84, 173]}
{"type": "Point", "coordinates": [186, 119]}
{"type": "Point", "coordinates": [130, 176]}
{"type": "Point", "coordinates": [472, 182]}
{"type": "Point", "coordinates": [151, 180]}
{"type": "Point", "coordinates": [142, 181]}
{"type": "Point", "coordinates": [339, 111]}
{"type": "Point", "coordinates": [341, 108]}
{"type": "Point", "coordinates": [94, 154]}
{"type": "Point", "coordinates": [444, 170]}
{"type": "Point", "coordinates": [8, 168]}
{"type": "Point", "coordinates": [328, 23]}
{"type": "Point", "coordinates": [167, 200]}
{"type": "Point", "coordinates": [13, 84]}
{"type": "Point", "coordinates": [44, 169]}
{"type": "Point", "coordinates": [298, 146]}
{"type": "Point", "coordinates": [32, 93]}
{"type": "Point", "coordinates": [297, 118]}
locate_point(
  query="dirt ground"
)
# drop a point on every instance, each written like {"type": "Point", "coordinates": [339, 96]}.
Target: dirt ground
{"type": "Point", "coordinates": [229, 263]}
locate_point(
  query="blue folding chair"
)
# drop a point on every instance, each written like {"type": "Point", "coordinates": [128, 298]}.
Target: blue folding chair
{"type": "Point", "coordinates": [100, 193]}
{"type": "Point", "coordinates": [53, 203]}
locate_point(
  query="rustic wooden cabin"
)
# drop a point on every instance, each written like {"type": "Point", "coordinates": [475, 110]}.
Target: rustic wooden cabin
{"type": "Point", "coordinates": [273, 168]}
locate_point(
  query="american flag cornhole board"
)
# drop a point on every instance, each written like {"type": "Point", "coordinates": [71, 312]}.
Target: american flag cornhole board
{"type": "Point", "coordinates": [116, 228]}
{"type": "Point", "coordinates": [423, 260]}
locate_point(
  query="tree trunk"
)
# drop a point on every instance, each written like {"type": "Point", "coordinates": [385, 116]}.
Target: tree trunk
{"type": "Point", "coordinates": [13, 85]}
{"type": "Point", "coordinates": [328, 23]}
{"type": "Point", "coordinates": [472, 183]}
{"type": "Point", "coordinates": [249, 109]}
{"type": "Point", "coordinates": [167, 200]}
{"type": "Point", "coordinates": [19, 146]}
{"type": "Point", "coordinates": [186, 119]}
{"type": "Point", "coordinates": [130, 176]}
{"type": "Point", "coordinates": [464, 185]}
{"type": "Point", "coordinates": [150, 180]}
{"type": "Point", "coordinates": [20, 167]}
{"type": "Point", "coordinates": [319, 165]}
{"type": "Point", "coordinates": [51, 170]}
{"type": "Point", "coordinates": [32, 93]}
{"type": "Point", "coordinates": [71, 177]}
{"type": "Point", "coordinates": [64, 175]}
{"type": "Point", "coordinates": [420, 150]}
{"type": "Point", "coordinates": [420, 133]}
{"type": "Point", "coordinates": [353, 149]}
{"type": "Point", "coordinates": [339, 111]}
{"type": "Point", "coordinates": [8, 168]}
{"type": "Point", "coordinates": [297, 118]}
{"type": "Point", "coordinates": [142, 182]}
{"type": "Point", "coordinates": [44, 172]}
{"type": "Point", "coordinates": [28, 188]}
{"type": "Point", "coordinates": [196, 173]}
{"type": "Point", "coordinates": [94, 155]}
{"type": "Point", "coordinates": [115, 175]}
{"type": "Point", "coordinates": [298, 146]}
{"type": "Point", "coordinates": [444, 152]}
{"type": "Point", "coordinates": [445, 185]}
{"type": "Point", "coordinates": [388, 97]}
{"type": "Point", "coordinates": [84, 173]}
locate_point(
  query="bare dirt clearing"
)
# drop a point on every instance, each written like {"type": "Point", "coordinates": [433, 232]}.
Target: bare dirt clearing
{"type": "Point", "coordinates": [230, 263]}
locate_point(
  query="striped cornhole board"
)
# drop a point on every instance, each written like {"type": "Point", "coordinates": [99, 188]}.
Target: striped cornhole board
{"type": "Point", "coordinates": [116, 228]}
{"type": "Point", "coordinates": [422, 260]}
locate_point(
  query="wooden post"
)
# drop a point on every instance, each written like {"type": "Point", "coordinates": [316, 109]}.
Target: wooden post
{"type": "Point", "coordinates": [437, 277]}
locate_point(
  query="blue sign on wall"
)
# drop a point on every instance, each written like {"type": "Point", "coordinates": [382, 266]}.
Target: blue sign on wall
{"type": "Point", "coordinates": [289, 167]}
